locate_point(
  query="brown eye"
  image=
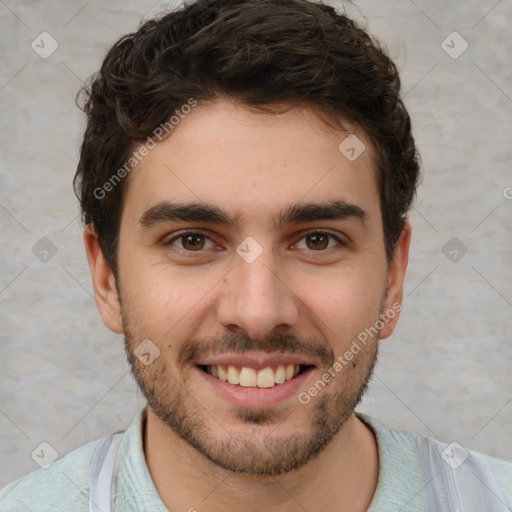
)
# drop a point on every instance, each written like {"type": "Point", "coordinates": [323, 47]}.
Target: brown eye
{"type": "Point", "coordinates": [193, 242]}
{"type": "Point", "coordinates": [190, 241]}
{"type": "Point", "coordinates": [319, 241]}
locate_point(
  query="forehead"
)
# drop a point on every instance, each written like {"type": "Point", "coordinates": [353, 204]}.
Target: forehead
{"type": "Point", "coordinates": [251, 163]}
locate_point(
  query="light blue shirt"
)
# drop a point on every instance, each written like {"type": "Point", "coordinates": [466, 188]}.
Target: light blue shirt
{"type": "Point", "coordinates": [64, 486]}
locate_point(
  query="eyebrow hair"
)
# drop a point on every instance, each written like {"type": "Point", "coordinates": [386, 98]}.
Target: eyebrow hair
{"type": "Point", "coordinates": [301, 212]}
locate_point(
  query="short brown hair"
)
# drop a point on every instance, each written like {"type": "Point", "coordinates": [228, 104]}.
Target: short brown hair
{"type": "Point", "coordinates": [262, 53]}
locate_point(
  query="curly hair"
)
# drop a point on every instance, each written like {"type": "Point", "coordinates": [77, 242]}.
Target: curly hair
{"type": "Point", "coordinates": [261, 53]}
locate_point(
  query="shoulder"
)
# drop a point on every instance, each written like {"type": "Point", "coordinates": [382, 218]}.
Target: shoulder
{"type": "Point", "coordinates": [400, 449]}
{"type": "Point", "coordinates": [63, 486]}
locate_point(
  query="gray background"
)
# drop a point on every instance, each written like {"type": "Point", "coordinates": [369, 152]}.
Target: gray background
{"type": "Point", "coordinates": [446, 372]}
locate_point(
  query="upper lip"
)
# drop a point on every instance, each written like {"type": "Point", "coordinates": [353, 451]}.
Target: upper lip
{"type": "Point", "coordinates": [257, 361]}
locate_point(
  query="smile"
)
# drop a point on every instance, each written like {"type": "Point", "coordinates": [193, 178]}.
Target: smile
{"type": "Point", "coordinates": [246, 376]}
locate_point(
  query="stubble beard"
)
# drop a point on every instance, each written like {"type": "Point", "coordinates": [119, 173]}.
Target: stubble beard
{"type": "Point", "coordinates": [252, 454]}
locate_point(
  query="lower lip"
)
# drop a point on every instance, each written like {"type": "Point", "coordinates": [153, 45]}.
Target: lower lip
{"type": "Point", "coordinates": [251, 397]}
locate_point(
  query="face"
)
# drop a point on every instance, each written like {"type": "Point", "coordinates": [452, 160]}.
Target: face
{"type": "Point", "coordinates": [251, 255]}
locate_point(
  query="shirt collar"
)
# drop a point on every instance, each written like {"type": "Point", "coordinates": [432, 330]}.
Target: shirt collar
{"type": "Point", "coordinates": [136, 490]}
{"type": "Point", "coordinates": [397, 457]}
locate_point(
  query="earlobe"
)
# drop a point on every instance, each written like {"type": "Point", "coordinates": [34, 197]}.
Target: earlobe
{"type": "Point", "coordinates": [103, 281]}
{"type": "Point", "coordinates": [396, 276]}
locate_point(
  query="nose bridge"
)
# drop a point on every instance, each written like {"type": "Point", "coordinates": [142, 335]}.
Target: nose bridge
{"type": "Point", "coordinates": [256, 298]}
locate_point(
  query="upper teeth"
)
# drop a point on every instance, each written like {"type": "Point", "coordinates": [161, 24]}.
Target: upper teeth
{"type": "Point", "coordinates": [249, 377]}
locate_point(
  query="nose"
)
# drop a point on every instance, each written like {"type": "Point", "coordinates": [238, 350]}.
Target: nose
{"type": "Point", "coordinates": [257, 298]}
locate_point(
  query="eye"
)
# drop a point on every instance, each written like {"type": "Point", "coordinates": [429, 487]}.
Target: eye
{"type": "Point", "coordinates": [196, 241]}
{"type": "Point", "coordinates": [191, 241]}
{"type": "Point", "coordinates": [319, 240]}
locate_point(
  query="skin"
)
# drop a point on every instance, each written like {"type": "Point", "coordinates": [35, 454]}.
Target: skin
{"type": "Point", "coordinates": [202, 450]}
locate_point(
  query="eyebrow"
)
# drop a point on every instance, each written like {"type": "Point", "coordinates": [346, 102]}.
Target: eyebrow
{"type": "Point", "coordinates": [166, 211]}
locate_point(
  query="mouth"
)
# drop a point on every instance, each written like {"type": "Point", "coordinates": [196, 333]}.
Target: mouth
{"type": "Point", "coordinates": [254, 379]}
{"type": "Point", "coordinates": [251, 377]}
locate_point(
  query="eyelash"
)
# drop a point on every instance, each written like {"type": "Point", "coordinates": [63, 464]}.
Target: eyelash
{"type": "Point", "coordinates": [184, 234]}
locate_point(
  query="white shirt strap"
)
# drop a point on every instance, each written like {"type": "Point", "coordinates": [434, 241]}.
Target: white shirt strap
{"type": "Point", "coordinates": [456, 480]}
{"type": "Point", "coordinates": [101, 474]}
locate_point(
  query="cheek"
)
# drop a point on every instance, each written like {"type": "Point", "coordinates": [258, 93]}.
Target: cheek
{"type": "Point", "coordinates": [344, 301]}
{"type": "Point", "coordinates": [164, 304]}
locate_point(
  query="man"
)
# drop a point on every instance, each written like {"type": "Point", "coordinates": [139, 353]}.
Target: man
{"type": "Point", "coordinates": [245, 178]}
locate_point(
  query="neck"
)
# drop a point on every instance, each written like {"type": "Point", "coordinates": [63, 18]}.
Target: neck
{"type": "Point", "coordinates": [343, 477]}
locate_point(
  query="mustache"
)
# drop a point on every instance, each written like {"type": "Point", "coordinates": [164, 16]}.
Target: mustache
{"type": "Point", "coordinates": [240, 344]}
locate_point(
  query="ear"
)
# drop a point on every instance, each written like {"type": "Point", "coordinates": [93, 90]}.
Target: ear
{"type": "Point", "coordinates": [103, 281]}
{"type": "Point", "coordinates": [395, 287]}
